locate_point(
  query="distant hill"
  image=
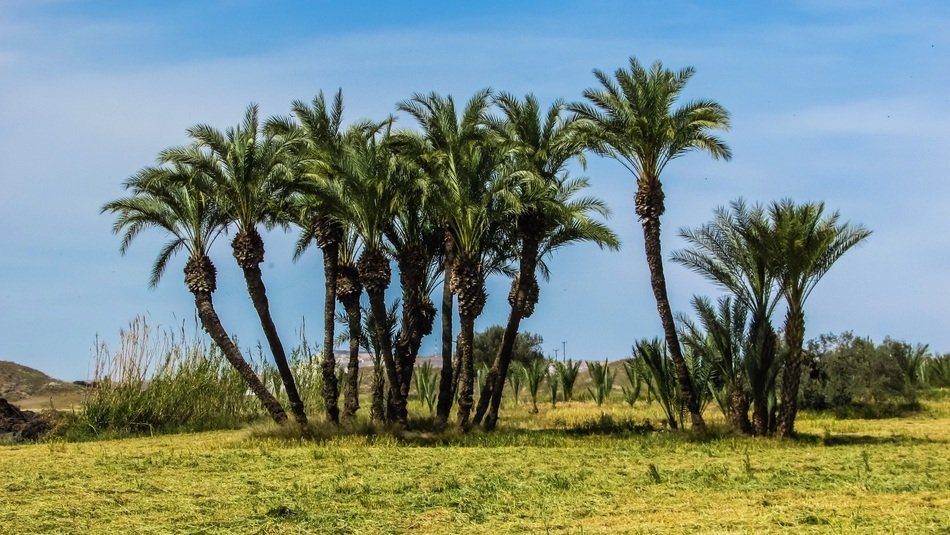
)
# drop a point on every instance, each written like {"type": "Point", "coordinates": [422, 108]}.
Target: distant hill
{"type": "Point", "coordinates": [19, 383]}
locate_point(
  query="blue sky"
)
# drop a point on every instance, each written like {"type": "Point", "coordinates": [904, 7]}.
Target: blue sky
{"type": "Point", "coordinates": [841, 101]}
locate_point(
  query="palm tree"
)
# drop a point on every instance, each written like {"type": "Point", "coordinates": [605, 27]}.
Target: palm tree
{"type": "Point", "coordinates": [631, 119]}
{"type": "Point", "coordinates": [806, 243]}
{"type": "Point", "coordinates": [415, 239]}
{"type": "Point", "coordinates": [543, 211]}
{"type": "Point", "coordinates": [723, 342]}
{"type": "Point", "coordinates": [316, 129]}
{"type": "Point", "coordinates": [462, 159]}
{"type": "Point", "coordinates": [733, 251]}
{"type": "Point", "coordinates": [373, 186]}
{"type": "Point", "coordinates": [177, 199]}
{"type": "Point", "coordinates": [251, 173]}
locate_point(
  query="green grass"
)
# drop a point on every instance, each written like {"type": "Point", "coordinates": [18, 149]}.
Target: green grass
{"type": "Point", "coordinates": [573, 469]}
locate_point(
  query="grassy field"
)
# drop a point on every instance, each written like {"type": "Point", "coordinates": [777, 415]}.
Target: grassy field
{"type": "Point", "coordinates": [573, 469]}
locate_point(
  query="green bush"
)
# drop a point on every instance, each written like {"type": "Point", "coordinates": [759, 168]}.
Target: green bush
{"type": "Point", "coordinates": [854, 377]}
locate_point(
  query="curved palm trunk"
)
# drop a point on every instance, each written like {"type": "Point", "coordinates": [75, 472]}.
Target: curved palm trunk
{"type": "Point", "coordinates": [248, 250]}
{"type": "Point", "coordinates": [523, 297]}
{"type": "Point", "coordinates": [330, 389]}
{"type": "Point", "coordinates": [417, 317]}
{"type": "Point", "coordinates": [377, 303]}
{"type": "Point", "coordinates": [351, 393]}
{"type": "Point", "coordinates": [446, 375]}
{"type": "Point", "coordinates": [200, 278]}
{"type": "Point", "coordinates": [794, 337]}
{"type": "Point", "coordinates": [649, 203]}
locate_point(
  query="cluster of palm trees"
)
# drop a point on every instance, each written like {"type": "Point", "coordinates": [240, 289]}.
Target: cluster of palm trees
{"type": "Point", "coordinates": [469, 192]}
{"type": "Point", "coordinates": [761, 256]}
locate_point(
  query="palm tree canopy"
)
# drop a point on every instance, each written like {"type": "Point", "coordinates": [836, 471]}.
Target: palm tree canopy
{"type": "Point", "coordinates": [632, 119]}
{"type": "Point", "coordinates": [251, 170]}
{"type": "Point", "coordinates": [806, 243]}
{"type": "Point", "coordinates": [733, 250]}
{"type": "Point", "coordinates": [175, 198]}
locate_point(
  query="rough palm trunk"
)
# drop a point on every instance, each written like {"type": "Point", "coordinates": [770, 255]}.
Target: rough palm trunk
{"type": "Point", "coordinates": [417, 317]}
{"type": "Point", "coordinates": [375, 275]}
{"type": "Point", "coordinates": [469, 281]}
{"type": "Point", "coordinates": [377, 411]}
{"type": "Point", "coordinates": [351, 394]}
{"type": "Point", "coordinates": [200, 276]}
{"type": "Point", "coordinates": [248, 249]}
{"type": "Point", "coordinates": [794, 337]}
{"type": "Point", "coordinates": [446, 376]}
{"type": "Point", "coordinates": [522, 298]}
{"type": "Point", "coordinates": [649, 205]}
{"type": "Point", "coordinates": [330, 389]}
{"type": "Point", "coordinates": [739, 411]}
{"type": "Point", "coordinates": [348, 290]}
{"type": "Point", "coordinates": [759, 378]}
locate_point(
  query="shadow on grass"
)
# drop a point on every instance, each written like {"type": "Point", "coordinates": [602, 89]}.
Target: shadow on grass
{"type": "Point", "coordinates": [423, 432]}
{"type": "Point", "coordinates": [828, 439]}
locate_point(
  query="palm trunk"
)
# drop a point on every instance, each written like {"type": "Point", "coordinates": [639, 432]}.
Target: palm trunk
{"type": "Point", "coordinates": [794, 338]}
{"type": "Point", "coordinates": [377, 411]}
{"type": "Point", "coordinates": [466, 371]}
{"type": "Point", "coordinates": [446, 375]}
{"type": "Point", "coordinates": [739, 411]}
{"type": "Point", "coordinates": [377, 302]}
{"type": "Point", "coordinates": [417, 317]}
{"type": "Point", "coordinates": [490, 399]}
{"type": "Point", "coordinates": [523, 297]}
{"type": "Point", "coordinates": [330, 389]}
{"type": "Point", "coordinates": [351, 394]}
{"type": "Point", "coordinates": [249, 253]}
{"type": "Point", "coordinates": [649, 208]}
{"type": "Point", "coordinates": [212, 324]}
{"type": "Point", "coordinates": [765, 341]}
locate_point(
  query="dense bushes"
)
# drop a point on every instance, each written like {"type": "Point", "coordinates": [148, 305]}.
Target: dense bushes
{"type": "Point", "coordinates": [853, 376]}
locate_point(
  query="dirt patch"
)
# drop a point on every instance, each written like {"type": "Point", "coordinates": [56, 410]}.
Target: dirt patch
{"type": "Point", "coordinates": [19, 426]}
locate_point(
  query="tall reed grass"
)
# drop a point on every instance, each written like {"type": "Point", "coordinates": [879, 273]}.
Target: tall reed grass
{"type": "Point", "coordinates": [165, 380]}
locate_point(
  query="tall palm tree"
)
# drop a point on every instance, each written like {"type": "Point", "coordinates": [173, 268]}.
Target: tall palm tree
{"type": "Point", "coordinates": [733, 251]}
{"type": "Point", "coordinates": [373, 184]}
{"type": "Point", "coordinates": [317, 130]}
{"type": "Point", "coordinates": [251, 173]}
{"type": "Point", "coordinates": [541, 207]}
{"type": "Point", "coordinates": [177, 198]}
{"type": "Point", "coordinates": [415, 239]}
{"type": "Point", "coordinates": [806, 243]}
{"type": "Point", "coordinates": [632, 120]}
{"type": "Point", "coordinates": [462, 158]}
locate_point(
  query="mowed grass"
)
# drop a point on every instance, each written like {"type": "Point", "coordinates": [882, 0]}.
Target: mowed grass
{"type": "Point", "coordinates": [574, 469]}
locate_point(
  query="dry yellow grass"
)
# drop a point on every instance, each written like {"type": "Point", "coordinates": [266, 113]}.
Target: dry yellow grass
{"type": "Point", "coordinates": [536, 475]}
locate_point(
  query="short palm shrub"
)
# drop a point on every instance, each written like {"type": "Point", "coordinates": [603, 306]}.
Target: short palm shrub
{"type": "Point", "coordinates": [516, 380]}
{"type": "Point", "coordinates": [534, 373]}
{"type": "Point", "coordinates": [631, 391]}
{"type": "Point", "coordinates": [656, 368]}
{"type": "Point", "coordinates": [937, 371]}
{"type": "Point", "coordinates": [602, 379]}
{"type": "Point", "coordinates": [551, 376]}
{"type": "Point", "coordinates": [426, 383]}
{"type": "Point", "coordinates": [567, 374]}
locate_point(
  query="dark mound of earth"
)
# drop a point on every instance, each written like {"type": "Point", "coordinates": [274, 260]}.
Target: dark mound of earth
{"type": "Point", "coordinates": [19, 426]}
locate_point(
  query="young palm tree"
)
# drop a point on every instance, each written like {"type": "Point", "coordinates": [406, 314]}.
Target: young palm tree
{"type": "Point", "coordinates": [806, 243]}
{"type": "Point", "coordinates": [462, 159]}
{"type": "Point", "coordinates": [733, 251]}
{"type": "Point", "coordinates": [540, 205]}
{"type": "Point", "coordinates": [176, 198]}
{"type": "Point", "coordinates": [251, 173]}
{"type": "Point", "coordinates": [317, 130]}
{"type": "Point", "coordinates": [632, 120]}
